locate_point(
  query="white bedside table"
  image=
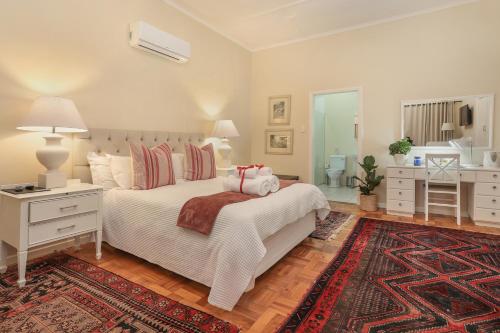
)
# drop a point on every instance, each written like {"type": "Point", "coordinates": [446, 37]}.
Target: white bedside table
{"type": "Point", "coordinates": [224, 172]}
{"type": "Point", "coordinates": [29, 220]}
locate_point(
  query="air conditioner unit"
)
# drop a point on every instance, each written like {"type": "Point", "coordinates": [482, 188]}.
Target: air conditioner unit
{"type": "Point", "coordinates": [150, 39]}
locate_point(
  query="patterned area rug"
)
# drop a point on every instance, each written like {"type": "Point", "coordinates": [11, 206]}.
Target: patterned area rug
{"type": "Point", "coordinates": [395, 277]}
{"type": "Point", "coordinates": [330, 226]}
{"type": "Point", "coordinates": [65, 294]}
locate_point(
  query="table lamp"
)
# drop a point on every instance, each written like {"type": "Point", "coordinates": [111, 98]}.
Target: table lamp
{"type": "Point", "coordinates": [53, 115]}
{"type": "Point", "coordinates": [225, 129]}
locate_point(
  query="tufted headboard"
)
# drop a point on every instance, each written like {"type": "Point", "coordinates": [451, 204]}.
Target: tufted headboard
{"type": "Point", "coordinates": [116, 142]}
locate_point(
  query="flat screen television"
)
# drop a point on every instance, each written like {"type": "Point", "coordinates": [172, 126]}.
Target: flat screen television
{"type": "Point", "coordinates": [465, 115]}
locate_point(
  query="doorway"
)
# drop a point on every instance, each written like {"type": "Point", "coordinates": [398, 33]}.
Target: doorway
{"type": "Point", "coordinates": [335, 143]}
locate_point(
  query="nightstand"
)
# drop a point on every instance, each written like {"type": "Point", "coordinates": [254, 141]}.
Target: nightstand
{"type": "Point", "coordinates": [34, 219]}
{"type": "Point", "coordinates": [224, 172]}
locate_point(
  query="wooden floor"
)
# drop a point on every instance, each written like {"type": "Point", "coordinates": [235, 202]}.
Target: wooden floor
{"type": "Point", "coordinates": [277, 292]}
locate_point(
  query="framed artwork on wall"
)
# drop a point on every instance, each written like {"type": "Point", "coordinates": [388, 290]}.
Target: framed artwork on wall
{"type": "Point", "coordinates": [279, 110]}
{"type": "Point", "coordinates": [279, 142]}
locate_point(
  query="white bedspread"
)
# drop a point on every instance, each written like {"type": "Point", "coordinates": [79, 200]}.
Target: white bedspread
{"type": "Point", "coordinates": [144, 223]}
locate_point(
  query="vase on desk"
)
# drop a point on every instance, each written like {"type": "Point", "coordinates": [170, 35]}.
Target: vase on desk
{"type": "Point", "coordinates": [400, 159]}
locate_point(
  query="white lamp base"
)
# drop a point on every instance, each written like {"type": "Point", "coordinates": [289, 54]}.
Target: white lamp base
{"type": "Point", "coordinates": [225, 153]}
{"type": "Point", "coordinates": [52, 156]}
{"type": "Point", "coordinates": [52, 179]}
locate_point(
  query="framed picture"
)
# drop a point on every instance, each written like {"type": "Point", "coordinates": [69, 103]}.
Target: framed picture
{"type": "Point", "coordinates": [279, 110]}
{"type": "Point", "coordinates": [279, 142]}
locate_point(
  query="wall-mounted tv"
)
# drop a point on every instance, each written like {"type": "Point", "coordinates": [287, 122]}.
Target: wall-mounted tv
{"type": "Point", "coordinates": [465, 115]}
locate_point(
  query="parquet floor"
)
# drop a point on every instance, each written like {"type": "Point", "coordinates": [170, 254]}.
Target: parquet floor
{"type": "Point", "coordinates": [277, 292]}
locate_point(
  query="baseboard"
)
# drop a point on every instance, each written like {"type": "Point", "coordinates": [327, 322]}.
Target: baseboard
{"type": "Point", "coordinates": [49, 248]}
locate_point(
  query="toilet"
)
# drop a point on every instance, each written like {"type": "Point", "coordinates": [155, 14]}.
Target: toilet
{"type": "Point", "coordinates": [337, 168]}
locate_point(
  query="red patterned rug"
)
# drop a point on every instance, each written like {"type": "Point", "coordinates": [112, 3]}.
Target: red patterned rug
{"type": "Point", "coordinates": [394, 277]}
{"type": "Point", "coordinates": [330, 226]}
{"type": "Point", "coordinates": [65, 294]}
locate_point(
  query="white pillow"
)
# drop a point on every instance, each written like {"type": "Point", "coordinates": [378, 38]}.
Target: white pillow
{"type": "Point", "coordinates": [121, 168]}
{"type": "Point", "coordinates": [101, 171]}
{"type": "Point", "coordinates": [178, 163]}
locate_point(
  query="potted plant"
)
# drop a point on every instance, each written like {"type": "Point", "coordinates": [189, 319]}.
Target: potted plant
{"type": "Point", "coordinates": [367, 199]}
{"type": "Point", "coordinates": [399, 149]}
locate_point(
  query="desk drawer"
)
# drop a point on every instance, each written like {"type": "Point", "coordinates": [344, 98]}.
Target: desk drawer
{"type": "Point", "coordinates": [401, 206]}
{"type": "Point", "coordinates": [401, 183]}
{"type": "Point", "coordinates": [48, 231]}
{"type": "Point", "coordinates": [488, 176]}
{"type": "Point", "coordinates": [400, 173]}
{"type": "Point", "coordinates": [488, 189]}
{"type": "Point", "coordinates": [465, 176]}
{"type": "Point", "coordinates": [397, 194]}
{"type": "Point", "coordinates": [61, 207]}
{"type": "Point", "coordinates": [487, 215]}
{"type": "Point", "coordinates": [483, 201]}
{"type": "Point", "coordinates": [420, 174]}
{"type": "Point", "coordinates": [468, 176]}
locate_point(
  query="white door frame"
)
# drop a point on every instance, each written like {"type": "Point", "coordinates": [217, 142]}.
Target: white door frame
{"type": "Point", "coordinates": [313, 94]}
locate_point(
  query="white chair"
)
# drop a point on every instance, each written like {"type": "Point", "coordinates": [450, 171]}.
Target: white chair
{"type": "Point", "coordinates": [442, 178]}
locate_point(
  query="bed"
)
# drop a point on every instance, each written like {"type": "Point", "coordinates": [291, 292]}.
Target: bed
{"type": "Point", "coordinates": [248, 237]}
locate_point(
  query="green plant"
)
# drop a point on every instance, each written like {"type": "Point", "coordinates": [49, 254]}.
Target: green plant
{"type": "Point", "coordinates": [402, 146]}
{"type": "Point", "coordinates": [371, 179]}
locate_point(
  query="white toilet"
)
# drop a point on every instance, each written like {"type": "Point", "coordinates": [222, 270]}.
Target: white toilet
{"type": "Point", "coordinates": [337, 168]}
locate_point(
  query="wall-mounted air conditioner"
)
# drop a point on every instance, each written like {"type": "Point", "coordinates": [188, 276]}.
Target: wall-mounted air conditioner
{"type": "Point", "coordinates": [150, 39]}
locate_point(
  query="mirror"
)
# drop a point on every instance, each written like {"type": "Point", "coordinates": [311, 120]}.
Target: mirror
{"type": "Point", "coordinates": [442, 122]}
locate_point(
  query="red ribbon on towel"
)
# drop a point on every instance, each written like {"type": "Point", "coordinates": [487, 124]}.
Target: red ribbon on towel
{"type": "Point", "coordinates": [243, 169]}
{"type": "Point", "coordinates": [241, 173]}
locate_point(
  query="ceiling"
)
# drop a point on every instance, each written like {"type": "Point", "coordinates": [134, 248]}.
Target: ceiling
{"type": "Point", "coordinates": [260, 24]}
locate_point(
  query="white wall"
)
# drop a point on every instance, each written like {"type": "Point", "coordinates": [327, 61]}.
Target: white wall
{"type": "Point", "coordinates": [79, 49]}
{"type": "Point", "coordinates": [319, 139]}
{"type": "Point", "coordinates": [453, 52]}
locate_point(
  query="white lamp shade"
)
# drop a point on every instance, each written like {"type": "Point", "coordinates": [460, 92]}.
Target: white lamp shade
{"type": "Point", "coordinates": [225, 129]}
{"type": "Point", "coordinates": [53, 114]}
{"type": "Point", "coordinates": [447, 127]}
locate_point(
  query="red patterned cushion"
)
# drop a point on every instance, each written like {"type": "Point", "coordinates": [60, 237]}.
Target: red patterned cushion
{"type": "Point", "coordinates": [151, 168]}
{"type": "Point", "coordinates": [200, 162]}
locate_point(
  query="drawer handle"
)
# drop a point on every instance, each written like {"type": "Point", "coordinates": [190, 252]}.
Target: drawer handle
{"type": "Point", "coordinates": [400, 204]}
{"type": "Point", "coordinates": [63, 209]}
{"type": "Point", "coordinates": [400, 193]}
{"type": "Point", "coordinates": [493, 213]}
{"type": "Point", "coordinates": [495, 175]}
{"type": "Point", "coordinates": [400, 171]}
{"type": "Point", "coordinates": [64, 228]}
{"type": "Point", "coordinates": [494, 187]}
{"type": "Point", "coordinates": [400, 181]}
{"type": "Point", "coordinates": [493, 200]}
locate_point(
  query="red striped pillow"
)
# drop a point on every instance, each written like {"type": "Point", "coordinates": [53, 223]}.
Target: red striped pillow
{"type": "Point", "coordinates": [151, 167]}
{"type": "Point", "coordinates": [200, 162]}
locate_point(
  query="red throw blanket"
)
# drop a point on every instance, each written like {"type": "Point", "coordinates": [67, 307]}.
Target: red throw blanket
{"type": "Point", "coordinates": [200, 213]}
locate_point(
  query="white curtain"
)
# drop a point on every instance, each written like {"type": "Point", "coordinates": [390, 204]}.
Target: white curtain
{"type": "Point", "coordinates": [423, 122]}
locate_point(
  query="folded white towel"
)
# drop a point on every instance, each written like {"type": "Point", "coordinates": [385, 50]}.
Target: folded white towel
{"type": "Point", "coordinates": [265, 171]}
{"type": "Point", "coordinates": [249, 173]}
{"type": "Point", "coordinates": [273, 180]}
{"type": "Point", "coordinates": [259, 186]}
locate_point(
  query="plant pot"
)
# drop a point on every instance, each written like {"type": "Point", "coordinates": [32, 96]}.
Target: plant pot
{"type": "Point", "coordinates": [368, 202]}
{"type": "Point", "coordinates": [400, 159]}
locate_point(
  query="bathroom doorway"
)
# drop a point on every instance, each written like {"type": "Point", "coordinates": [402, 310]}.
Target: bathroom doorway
{"type": "Point", "coordinates": [335, 139]}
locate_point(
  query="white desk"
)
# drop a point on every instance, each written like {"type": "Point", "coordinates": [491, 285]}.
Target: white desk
{"type": "Point", "coordinates": [483, 193]}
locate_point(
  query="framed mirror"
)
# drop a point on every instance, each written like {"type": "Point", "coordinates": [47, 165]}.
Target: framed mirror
{"type": "Point", "coordinates": [446, 122]}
